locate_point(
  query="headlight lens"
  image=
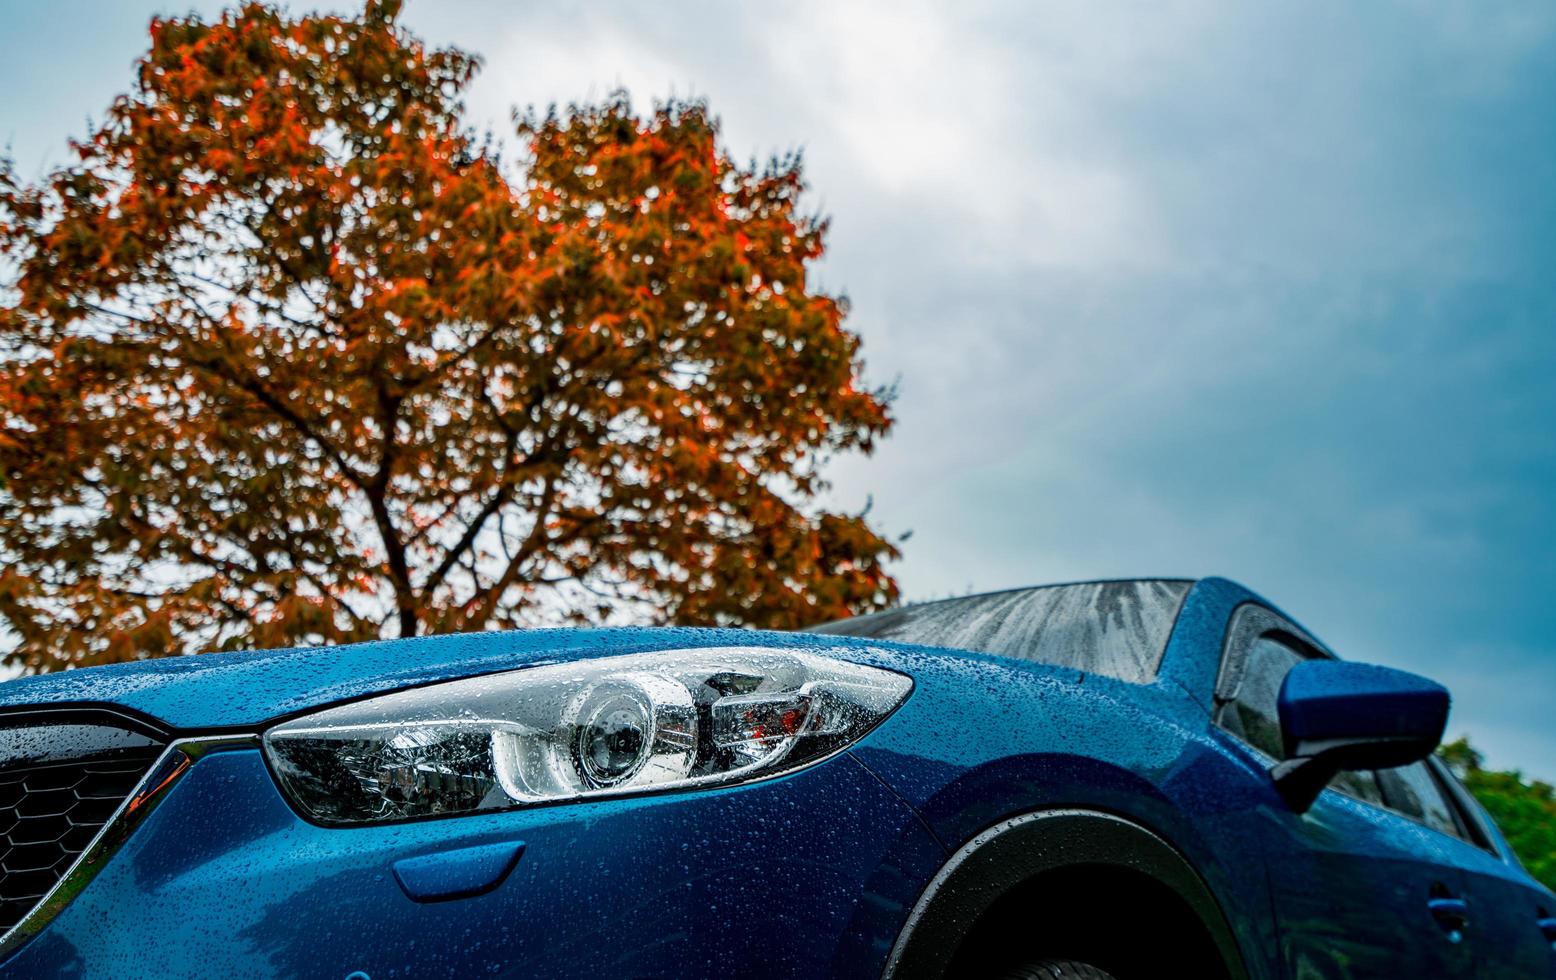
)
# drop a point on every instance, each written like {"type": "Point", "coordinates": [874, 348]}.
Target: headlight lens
{"type": "Point", "coordinates": [617, 725]}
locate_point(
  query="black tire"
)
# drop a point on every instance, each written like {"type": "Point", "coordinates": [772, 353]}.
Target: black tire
{"type": "Point", "coordinates": [1056, 970]}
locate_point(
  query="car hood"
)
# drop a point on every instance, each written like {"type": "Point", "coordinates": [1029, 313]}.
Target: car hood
{"type": "Point", "coordinates": [217, 691]}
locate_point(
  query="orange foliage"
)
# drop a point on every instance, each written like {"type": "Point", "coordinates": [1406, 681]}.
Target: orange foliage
{"type": "Point", "coordinates": [289, 356]}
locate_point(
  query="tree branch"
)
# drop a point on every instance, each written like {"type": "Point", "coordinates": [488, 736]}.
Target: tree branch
{"type": "Point", "coordinates": [501, 496]}
{"type": "Point", "coordinates": [479, 610]}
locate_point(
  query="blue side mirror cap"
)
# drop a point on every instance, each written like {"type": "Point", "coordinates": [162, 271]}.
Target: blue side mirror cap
{"type": "Point", "coordinates": [1331, 700]}
{"type": "Point", "coordinates": [1336, 716]}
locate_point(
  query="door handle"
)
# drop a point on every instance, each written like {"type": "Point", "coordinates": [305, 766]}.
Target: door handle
{"type": "Point", "coordinates": [1452, 914]}
{"type": "Point", "coordinates": [1548, 930]}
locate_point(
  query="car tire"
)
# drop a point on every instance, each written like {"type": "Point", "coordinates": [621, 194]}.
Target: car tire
{"type": "Point", "coordinates": [1056, 970]}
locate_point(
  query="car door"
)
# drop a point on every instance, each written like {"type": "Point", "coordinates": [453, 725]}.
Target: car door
{"type": "Point", "coordinates": [1359, 891]}
{"type": "Point", "coordinates": [1513, 918]}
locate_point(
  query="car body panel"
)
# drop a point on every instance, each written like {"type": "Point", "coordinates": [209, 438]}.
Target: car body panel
{"type": "Point", "coordinates": [1506, 908]}
{"type": "Point", "coordinates": [232, 691]}
{"type": "Point", "coordinates": [1351, 882]}
{"type": "Point", "coordinates": [224, 879]}
{"type": "Point", "coordinates": [985, 738]}
{"type": "Point", "coordinates": [808, 874]}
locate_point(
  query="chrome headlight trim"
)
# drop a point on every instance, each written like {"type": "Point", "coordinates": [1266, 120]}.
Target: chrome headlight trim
{"type": "Point", "coordinates": [566, 732]}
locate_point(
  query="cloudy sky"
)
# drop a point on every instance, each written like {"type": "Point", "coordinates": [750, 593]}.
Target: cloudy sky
{"type": "Point", "coordinates": [1259, 290]}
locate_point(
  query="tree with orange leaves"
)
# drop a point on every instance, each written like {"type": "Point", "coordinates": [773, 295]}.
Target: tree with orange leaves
{"type": "Point", "coordinates": [289, 356]}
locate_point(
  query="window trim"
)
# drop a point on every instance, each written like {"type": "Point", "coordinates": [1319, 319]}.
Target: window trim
{"type": "Point", "coordinates": [1461, 804]}
{"type": "Point", "coordinates": [1250, 622]}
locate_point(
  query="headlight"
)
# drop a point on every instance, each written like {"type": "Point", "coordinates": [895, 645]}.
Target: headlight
{"type": "Point", "coordinates": [629, 724]}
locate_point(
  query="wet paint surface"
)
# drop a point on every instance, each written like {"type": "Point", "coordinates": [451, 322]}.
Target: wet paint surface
{"type": "Point", "coordinates": [776, 879]}
{"type": "Point", "coordinates": [810, 874]}
{"type": "Point", "coordinates": [229, 690]}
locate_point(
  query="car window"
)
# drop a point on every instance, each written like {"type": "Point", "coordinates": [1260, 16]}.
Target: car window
{"type": "Point", "coordinates": [1413, 792]}
{"type": "Point", "coordinates": [1472, 817]}
{"type": "Point", "coordinates": [1359, 785]}
{"type": "Point", "coordinates": [1252, 714]}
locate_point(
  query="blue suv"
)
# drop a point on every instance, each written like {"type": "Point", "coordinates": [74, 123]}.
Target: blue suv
{"type": "Point", "coordinates": [1133, 780]}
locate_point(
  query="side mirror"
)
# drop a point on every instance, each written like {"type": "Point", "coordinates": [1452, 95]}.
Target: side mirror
{"type": "Point", "coordinates": [1337, 716]}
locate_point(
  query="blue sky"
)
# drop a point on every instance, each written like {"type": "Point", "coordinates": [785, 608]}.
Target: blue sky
{"type": "Point", "coordinates": [1259, 290]}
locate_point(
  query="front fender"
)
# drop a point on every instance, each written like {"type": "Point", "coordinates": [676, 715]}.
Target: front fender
{"type": "Point", "coordinates": [1020, 849]}
{"type": "Point", "coordinates": [984, 741]}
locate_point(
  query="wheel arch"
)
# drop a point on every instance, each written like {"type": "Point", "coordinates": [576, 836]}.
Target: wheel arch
{"type": "Point", "coordinates": [1010, 862]}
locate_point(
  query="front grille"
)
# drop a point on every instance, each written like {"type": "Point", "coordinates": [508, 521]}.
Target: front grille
{"type": "Point", "coordinates": [59, 785]}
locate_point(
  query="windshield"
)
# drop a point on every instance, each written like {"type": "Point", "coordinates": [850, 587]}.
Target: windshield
{"type": "Point", "coordinates": [1118, 629]}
